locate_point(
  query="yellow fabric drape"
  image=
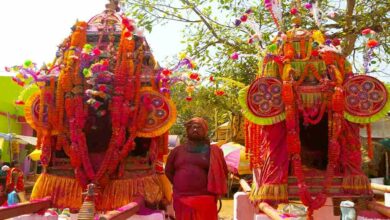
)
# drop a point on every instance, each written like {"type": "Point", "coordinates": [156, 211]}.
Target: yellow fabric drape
{"type": "Point", "coordinates": [274, 192]}
{"type": "Point", "coordinates": [121, 192]}
{"type": "Point", "coordinates": [67, 192]}
{"type": "Point", "coordinates": [357, 184]}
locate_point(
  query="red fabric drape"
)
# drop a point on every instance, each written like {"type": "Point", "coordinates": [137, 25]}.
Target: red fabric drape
{"type": "Point", "coordinates": [350, 155]}
{"type": "Point", "coordinates": [217, 176]}
{"type": "Point", "coordinates": [195, 207]}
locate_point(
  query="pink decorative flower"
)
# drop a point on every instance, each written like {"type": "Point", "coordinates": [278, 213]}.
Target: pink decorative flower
{"type": "Point", "coordinates": [308, 6]}
{"type": "Point", "coordinates": [234, 56]}
{"type": "Point", "coordinates": [96, 51]}
{"type": "Point", "coordinates": [294, 11]}
{"type": "Point", "coordinates": [366, 31]}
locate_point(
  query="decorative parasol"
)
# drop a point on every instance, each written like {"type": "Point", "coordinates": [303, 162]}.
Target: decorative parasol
{"type": "Point", "coordinates": [235, 158]}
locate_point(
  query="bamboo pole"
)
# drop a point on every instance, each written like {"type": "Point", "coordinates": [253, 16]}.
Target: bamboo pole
{"type": "Point", "coordinates": [379, 208]}
{"type": "Point", "coordinates": [123, 212]}
{"type": "Point", "coordinates": [380, 187]}
{"type": "Point", "coordinates": [245, 186]}
{"type": "Point", "coordinates": [25, 208]}
{"type": "Point", "coordinates": [269, 211]}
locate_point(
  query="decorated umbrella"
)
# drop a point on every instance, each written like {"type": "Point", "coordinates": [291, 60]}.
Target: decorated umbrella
{"type": "Point", "coordinates": [235, 158]}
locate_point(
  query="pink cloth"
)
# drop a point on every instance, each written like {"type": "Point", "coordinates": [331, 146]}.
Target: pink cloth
{"type": "Point", "coordinates": [273, 156]}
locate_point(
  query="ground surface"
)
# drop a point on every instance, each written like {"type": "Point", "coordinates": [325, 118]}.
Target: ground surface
{"type": "Point", "coordinates": [226, 212]}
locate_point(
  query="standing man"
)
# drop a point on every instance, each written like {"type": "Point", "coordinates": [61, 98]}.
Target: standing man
{"type": "Point", "coordinates": [198, 173]}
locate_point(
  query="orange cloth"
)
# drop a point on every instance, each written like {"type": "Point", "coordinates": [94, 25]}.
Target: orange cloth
{"type": "Point", "coordinates": [217, 176]}
{"type": "Point", "coordinates": [195, 207]}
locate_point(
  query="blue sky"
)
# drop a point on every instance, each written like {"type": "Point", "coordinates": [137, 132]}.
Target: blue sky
{"type": "Point", "coordinates": [33, 29]}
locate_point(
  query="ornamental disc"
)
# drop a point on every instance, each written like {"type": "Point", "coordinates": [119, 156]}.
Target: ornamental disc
{"type": "Point", "coordinates": [264, 97]}
{"type": "Point", "coordinates": [365, 96]}
{"type": "Point", "coordinates": [160, 113]}
{"type": "Point", "coordinates": [31, 111]}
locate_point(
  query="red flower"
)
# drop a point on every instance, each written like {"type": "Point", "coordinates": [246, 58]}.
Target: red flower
{"type": "Point", "coordinates": [125, 21]}
{"type": "Point", "coordinates": [219, 92]}
{"type": "Point", "coordinates": [188, 98]}
{"type": "Point", "coordinates": [194, 76]}
{"type": "Point", "coordinates": [127, 34]}
{"type": "Point", "coordinates": [336, 42]}
{"type": "Point", "coordinates": [315, 53]}
{"type": "Point", "coordinates": [96, 51]}
{"type": "Point", "coordinates": [211, 78]}
{"type": "Point", "coordinates": [130, 28]}
{"type": "Point", "coordinates": [19, 102]}
{"type": "Point", "coordinates": [278, 59]}
{"type": "Point", "coordinates": [102, 87]}
{"type": "Point", "coordinates": [244, 18]}
{"type": "Point", "coordinates": [294, 11]}
{"type": "Point", "coordinates": [366, 31]}
{"type": "Point", "coordinates": [105, 62]}
{"type": "Point", "coordinates": [372, 43]}
{"type": "Point", "coordinates": [166, 72]}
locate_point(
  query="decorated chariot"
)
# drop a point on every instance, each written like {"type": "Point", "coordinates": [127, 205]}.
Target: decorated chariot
{"type": "Point", "coordinates": [303, 116]}
{"type": "Point", "coordinates": [101, 118]}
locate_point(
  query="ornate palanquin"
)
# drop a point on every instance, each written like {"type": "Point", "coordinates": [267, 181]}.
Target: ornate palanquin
{"type": "Point", "coordinates": [101, 118]}
{"type": "Point", "coordinates": [304, 112]}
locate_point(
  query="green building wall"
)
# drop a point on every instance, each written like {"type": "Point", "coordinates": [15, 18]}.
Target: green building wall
{"type": "Point", "coordinates": [9, 92]}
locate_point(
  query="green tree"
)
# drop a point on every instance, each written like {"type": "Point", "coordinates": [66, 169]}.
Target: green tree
{"type": "Point", "coordinates": [211, 37]}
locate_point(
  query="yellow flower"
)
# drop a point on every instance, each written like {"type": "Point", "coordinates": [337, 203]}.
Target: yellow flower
{"type": "Point", "coordinates": [182, 55]}
{"type": "Point", "coordinates": [318, 36]}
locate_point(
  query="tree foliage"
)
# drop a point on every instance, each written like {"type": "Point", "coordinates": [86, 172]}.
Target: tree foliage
{"type": "Point", "coordinates": [211, 37]}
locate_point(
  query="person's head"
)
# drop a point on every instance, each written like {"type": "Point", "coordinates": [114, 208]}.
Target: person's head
{"type": "Point", "coordinates": [196, 129]}
{"type": "Point", "coordinates": [5, 168]}
{"type": "Point", "coordinates": [15, 163]}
